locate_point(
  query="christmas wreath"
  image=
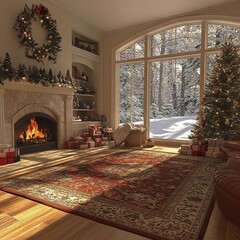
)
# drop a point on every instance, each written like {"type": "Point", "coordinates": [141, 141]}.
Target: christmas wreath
{"type": "Point", "coordinates": [23, 27]}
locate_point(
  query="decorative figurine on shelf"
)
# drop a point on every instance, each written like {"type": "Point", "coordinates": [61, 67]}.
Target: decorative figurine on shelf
{"type": "Point", "coordinates": [84, 76]}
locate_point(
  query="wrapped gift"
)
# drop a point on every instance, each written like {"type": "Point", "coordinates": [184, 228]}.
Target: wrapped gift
{"type": "Point", "coordinates": [216, 149]}
{"type": "Point", "coordinates": [196, 153]}
{"type": "Point", "coordinates": [196, 148]}
{"type": "Point", "coordinates": [10, 160]}
{"type": "Point", "coordinates": [12, 153]}
{"type": "Point", "coordinates": [91, 144]}
{"type": "Point", "coordinates": [2, 154]}
{"type": "Point", "coordinates": [71, 144]}
{"type": "Point", "coordinates": [186, 147]}
{"type": "Point", "coordinates": [85, 136]}
{"type": "Point", "coordinates": [203, 149]}
{"type": "Point", "coordinates": [83, 146]}
{"type": "Point", "coordinates": [216, 154]}
{"type": "Point", "coordinates": [3, 160]}
{"type": "Point", "coordinates": [208, 154]}
{"type": "Point", "coordinates": [210, 149]}
{"type": "Point", "coordinates": [104, 143]}
{"type": "Point", "coordinates": [92, 129]}
{"type": "Point", "coordinates": [79, 140]}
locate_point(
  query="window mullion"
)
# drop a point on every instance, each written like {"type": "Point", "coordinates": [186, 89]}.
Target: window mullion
{"type": "Point", "coordinates": [203, 58]}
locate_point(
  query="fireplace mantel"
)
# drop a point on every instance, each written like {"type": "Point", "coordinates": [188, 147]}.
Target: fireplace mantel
{"type": "Point", "coordinates": [19, 98]}
{"type": "Point", "coordinates": [26, 86]}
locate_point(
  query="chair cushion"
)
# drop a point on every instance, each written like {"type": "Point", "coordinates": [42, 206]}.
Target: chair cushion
{"type": "Point", "coordinates": [121, 133]}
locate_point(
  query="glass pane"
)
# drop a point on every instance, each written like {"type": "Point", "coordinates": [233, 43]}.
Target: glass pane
{"type": "Point", "coordinates": [174, 97]}
{"type": "Point", "coordinates": [210, 64]}
{"type": "Point", "coordinates": [176, 40]}
{"type": "Point", "coordinates": [135, 50]}
{"type": "Point", "coordinates": [131, 92]}
{"type": "Point", "coordinates": [217, 34]}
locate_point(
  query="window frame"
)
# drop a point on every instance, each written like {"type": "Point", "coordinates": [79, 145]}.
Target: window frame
{"type": "Point", "coordinates": [148, 58]}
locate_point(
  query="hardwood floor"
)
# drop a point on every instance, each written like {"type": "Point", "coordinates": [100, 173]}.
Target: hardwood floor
{"type": "Point", "coordinates": [22, 219]}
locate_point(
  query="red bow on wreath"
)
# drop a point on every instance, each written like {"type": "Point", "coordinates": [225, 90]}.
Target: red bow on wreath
{"type": "Point", "coordinates": [41, 10]}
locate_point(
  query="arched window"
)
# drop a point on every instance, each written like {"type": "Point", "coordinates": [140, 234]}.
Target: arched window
{"type": "Point", "coordinates": [162, 75]}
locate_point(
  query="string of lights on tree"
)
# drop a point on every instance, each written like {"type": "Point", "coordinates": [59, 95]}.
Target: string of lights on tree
{"type": "Point", "coordinates": [32, 74]}
{"type": "Point", "coordinates": [23, 28]}
{"type": "Point", "coordinates": [219, 117]}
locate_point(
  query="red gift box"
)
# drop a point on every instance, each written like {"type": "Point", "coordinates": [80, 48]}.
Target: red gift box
{"type": "Point", "coordinates": [11, 154]}
{"type": "Point", "coordinates": [10, 160]}
{"type": "Point", "coordinates": [203, 149]}
{"type": "Point", "coordinates": [196, 153]}
{"type": "Point", "coordinates": [3, 160]}
{"type": "Point", "coordinates": [71, 144]}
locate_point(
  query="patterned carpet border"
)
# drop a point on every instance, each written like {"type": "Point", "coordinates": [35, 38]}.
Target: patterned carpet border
{"type": "Point", "coordinates": [156, 195]}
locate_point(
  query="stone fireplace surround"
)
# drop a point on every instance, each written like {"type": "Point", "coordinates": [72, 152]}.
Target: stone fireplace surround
{"type": "Point", "coordinates": [18, 99]}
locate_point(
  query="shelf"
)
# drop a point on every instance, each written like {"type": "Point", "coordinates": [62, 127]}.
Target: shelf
{"type": "Point", "coordinates": [84, 57]}
{"type": "Point", "coordinates": [84, 109]}
{"type": "Point", "coordinates": [84, 95]}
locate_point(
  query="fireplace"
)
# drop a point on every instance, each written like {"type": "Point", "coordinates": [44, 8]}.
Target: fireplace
{"type": "Point", "coordinates": [35, 132]}
{"type": "Point", "coordinates": [22, 102]}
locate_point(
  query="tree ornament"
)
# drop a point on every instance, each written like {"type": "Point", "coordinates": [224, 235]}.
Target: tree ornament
{"type": "Point", "coordinates": [227, 121]}
{"type": "Point", "coordinates": [23, 28]}
{"type": "Point", "coordinates": [229, 99]}
{"type": "Point", "coordinates": [235, 103]}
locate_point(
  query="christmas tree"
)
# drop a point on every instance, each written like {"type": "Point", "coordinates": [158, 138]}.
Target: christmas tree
{"type": "Point", "coordinates": [8, 70]}
{"type": "Point", "coordinates": [68, 79]}
{"type": "Point", "coordinates": [21, 72]}
{"type": "Point", "coordinates": [219, 117]}
{"type": "Point", "coordinates": [1, 73]}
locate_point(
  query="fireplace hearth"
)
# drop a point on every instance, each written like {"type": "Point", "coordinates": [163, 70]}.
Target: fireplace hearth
{"type": "Point", "coordinates": [35, 132]}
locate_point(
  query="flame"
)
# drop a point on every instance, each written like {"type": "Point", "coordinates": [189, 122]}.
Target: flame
{"type": "Point", "coordinates": [32, 131]}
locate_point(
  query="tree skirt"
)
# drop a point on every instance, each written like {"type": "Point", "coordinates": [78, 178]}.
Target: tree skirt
{"type": "Point", "coordinates": [160, 196]}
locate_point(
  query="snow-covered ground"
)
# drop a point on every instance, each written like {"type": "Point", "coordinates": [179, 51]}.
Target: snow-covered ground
{"type": "Point", "coordinates": [172, 128]}
{"type": "Point", "coordinates": [177, 128]}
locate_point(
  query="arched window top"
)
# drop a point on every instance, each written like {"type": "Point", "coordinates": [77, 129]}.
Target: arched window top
{"type": "Point", "coordinates": [183, 38]}
{"type": "Point", "coordinates": [132, 51]}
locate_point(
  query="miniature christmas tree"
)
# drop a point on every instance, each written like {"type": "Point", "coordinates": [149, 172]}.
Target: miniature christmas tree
{"type": "Point", "coordinates": [219, 117]}
{"type": "Point", "coordinates": [1, 72]}
{"type": "Point", "coordinates": [8, 70]}
{"type": "Point", "coordinates": [60, 79]}
{"type": "Point", "coordinates": [30, 74]}
{"type": "Point", "coordinates": [68, 79]}
{"type": "Point", "coordinates": [44, 80]}
{"type": "Point", "coordinates": [21, 72]}
{"type": "Point", "coordinates": [50, 77]}
{"type": "Point", "coordinates": [36, 75]}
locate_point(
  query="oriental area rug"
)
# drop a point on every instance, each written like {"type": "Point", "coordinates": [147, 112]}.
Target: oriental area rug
{"type": "Point", "coordinates": [157, 195]}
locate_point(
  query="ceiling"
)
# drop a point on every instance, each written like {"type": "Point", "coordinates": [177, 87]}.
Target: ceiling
{"type": "Point", "coordinates": [109, 15]}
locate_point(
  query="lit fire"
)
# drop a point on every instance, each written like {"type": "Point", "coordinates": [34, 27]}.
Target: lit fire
{"type": "Point", "coordinates": [32, 131]}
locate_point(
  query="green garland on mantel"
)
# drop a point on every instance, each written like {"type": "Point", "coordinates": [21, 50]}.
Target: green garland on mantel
{"type": "Point", "coordinates": [23, 28]}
